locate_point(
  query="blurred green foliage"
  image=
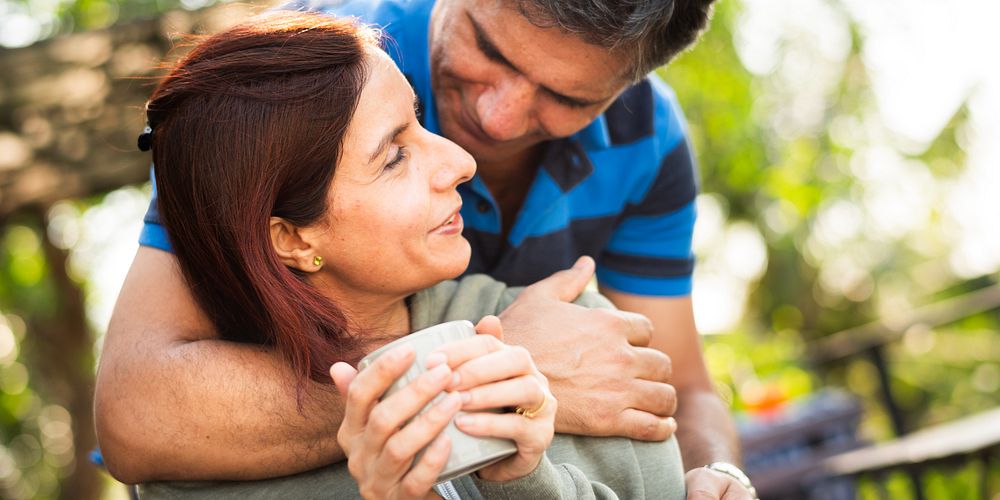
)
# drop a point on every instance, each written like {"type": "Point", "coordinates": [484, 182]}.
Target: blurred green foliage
{"type": "Point", "coordinates": [27, 468]}
{"type": "Point", "coordinates": [776, 179]}
{"type": "Point", "coordinates": [755, 168]}
{"type": "Point", "coordinates": [48, 18]}
{"type": "Point", "coordinates": [780, 181]}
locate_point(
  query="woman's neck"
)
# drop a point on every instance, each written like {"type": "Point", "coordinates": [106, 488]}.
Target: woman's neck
{"type": "Point", "coordinates": [378, 317]}
{"type": "Point", "coordinates": [373, 315]}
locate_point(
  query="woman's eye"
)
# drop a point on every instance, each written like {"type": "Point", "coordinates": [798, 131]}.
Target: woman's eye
{"type": "Point", "coordinates": [401, 155]}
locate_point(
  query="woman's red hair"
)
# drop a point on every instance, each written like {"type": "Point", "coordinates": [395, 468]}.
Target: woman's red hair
{"type": "Point", "coordinates": [247, 126]}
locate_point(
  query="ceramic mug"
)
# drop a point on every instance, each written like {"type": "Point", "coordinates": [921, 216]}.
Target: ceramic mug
{"type": "Point", "coordinates": [468, 453]}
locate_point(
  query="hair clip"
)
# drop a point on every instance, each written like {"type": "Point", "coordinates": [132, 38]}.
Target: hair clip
{"type": "Point", "coordinates": [145, 141]}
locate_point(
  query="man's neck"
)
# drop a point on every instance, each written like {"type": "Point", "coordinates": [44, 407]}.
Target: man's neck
{"type": "Point", "coordinates": [511, 169]}
{"type": "Point", "coordinates": [508, 180]}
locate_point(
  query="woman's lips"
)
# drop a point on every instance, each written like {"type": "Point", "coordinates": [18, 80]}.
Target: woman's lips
{"type": "Point", "coordinates": [453, 225]}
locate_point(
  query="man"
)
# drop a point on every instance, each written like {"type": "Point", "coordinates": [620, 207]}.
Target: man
{"type": "Point", "coordinates": [574, 157]}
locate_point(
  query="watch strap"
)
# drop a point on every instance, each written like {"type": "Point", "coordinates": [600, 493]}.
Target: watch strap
{"type": "Point", "coordinates": [736, 473]}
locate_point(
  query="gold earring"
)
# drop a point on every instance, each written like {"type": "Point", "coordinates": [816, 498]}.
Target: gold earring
{"type": "Point", "coordinates": [317, 261]}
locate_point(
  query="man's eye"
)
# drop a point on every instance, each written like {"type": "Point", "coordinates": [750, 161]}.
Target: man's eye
{"type": "Point", "coordinates": [570, 102]}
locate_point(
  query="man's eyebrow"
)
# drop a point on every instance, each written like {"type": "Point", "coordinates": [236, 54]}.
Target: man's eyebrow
{"type": "Point", "coordinates": [386, 140]}
{"type": "Point", "coordinates": [490, 50]}
{"type": "Point", "coordinates": [487, 46]}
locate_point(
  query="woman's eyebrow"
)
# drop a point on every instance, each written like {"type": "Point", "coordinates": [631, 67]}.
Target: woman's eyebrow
{"type": "Point", "coordinates": [386, 140]}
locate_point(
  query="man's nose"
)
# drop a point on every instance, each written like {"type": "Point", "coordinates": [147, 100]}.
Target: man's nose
{"type": "Point", "coordinates": [504, 109]}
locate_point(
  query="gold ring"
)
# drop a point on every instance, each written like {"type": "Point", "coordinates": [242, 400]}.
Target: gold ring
{"type": "Point", "coordinates": [526, 413]}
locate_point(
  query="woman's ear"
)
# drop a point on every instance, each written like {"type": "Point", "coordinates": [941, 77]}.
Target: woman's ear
{"type": "Point", "coordinates": [293, 247]}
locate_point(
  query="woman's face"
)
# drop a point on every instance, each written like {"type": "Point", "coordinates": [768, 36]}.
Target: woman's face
{"type": "Point", "coordinates": [393, 226]}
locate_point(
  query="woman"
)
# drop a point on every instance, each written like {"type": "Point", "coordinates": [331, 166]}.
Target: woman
{"type": "Point", "coordinates": [310, 211]}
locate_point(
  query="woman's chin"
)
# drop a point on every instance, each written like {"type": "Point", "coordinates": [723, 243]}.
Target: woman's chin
{"type": "Point", "coordinates": [443, 264]}
{"type": "Point", "coordinates": [454, 260]}
{"type": "Point", "coordinates": [460, 260]}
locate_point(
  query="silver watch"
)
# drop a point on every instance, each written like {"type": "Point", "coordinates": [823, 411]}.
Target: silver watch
{"type": "Point", "coordinates": [734, 472]}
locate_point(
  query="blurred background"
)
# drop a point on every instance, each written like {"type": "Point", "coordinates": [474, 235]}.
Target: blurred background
{"type": "Point", "coordinates": [848, 239]}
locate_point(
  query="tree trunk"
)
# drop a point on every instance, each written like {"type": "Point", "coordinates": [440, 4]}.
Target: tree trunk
{"type": "Point", "coordinates": [72, 107]}
{"type": "Point", "coordinates": [62, 360]}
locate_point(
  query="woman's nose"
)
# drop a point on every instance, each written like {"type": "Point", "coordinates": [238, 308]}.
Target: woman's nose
{"type": "Point", "coordinates": [455, 165]}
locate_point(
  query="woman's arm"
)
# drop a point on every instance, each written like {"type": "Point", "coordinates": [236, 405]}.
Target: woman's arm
{"type": "Point", "coordinates": [575, 466]}
{"type": "Point", "coordinates": [382, 437]}
{"type": "Point", "coordinates": [547, 482]}
{"type": "Point", "coordinates": [579, 466]}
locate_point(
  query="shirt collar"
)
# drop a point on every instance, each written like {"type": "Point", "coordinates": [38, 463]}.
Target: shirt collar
{"type": "Point", "coordinates": [567, 163]}
{"type": "Point", "coordinates": [595, 135]}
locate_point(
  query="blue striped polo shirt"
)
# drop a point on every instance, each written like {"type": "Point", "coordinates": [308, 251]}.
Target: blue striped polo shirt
{"type": "Point", "coordinates": [621, 190]}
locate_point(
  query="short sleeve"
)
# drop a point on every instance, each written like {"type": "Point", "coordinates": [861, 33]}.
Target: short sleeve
{"type": "Point", "coordinates": [154, 234]}
{"type": "Point", "coordinates": [650, 251]}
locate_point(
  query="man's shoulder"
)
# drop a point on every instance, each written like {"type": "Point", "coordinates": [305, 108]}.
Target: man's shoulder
{"type": "Point", "coordinates": [403, 24]}
{"type": "Point", "coordinates": [644, 144]}
{"type": "Point", "coordinates": [647, 112]}
{"type": "Point", "coordinates": [386, 14]}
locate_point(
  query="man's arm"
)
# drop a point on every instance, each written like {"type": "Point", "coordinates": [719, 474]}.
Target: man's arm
{"type": "Point", "coordinates": [174, 402]}
{"type": "Point", "coordinates": [705, 430]}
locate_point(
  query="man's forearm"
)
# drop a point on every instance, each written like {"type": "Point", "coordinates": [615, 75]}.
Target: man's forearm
{"type": "Point", "coordinates": [211, 409]}
{"type": "Point", "coordinates": [705, 431]}
{"type": "Point", "coordinates": [174, 402]}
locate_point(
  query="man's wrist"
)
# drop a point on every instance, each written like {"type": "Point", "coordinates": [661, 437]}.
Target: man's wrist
{"type": "Point", "coordinates": [734, 472]}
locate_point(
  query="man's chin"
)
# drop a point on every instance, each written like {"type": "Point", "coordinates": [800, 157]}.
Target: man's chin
{"type": "Point", "coordinates": [470, 142]}
{"type": "Point", "coordinates": [475, 142]}
{"type": "Point", "coordinates": [483, 149]}
{"type": "Point", "coordinates": [493, 152]}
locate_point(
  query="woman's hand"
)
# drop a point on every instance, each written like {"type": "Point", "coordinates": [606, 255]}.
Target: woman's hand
{"type": "Point", "coordinates": [380, 450]}
{"type": "Point", "coordinates": [490, 374]}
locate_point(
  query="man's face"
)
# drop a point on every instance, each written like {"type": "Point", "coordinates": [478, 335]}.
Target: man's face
{"type": "Point", "coordinates": [503, 85]}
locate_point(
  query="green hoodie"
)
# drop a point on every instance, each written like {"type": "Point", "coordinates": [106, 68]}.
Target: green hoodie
{"type": "Point", "coordinates": [574, 467]}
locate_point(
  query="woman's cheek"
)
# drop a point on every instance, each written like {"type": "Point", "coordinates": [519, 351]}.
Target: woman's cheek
{"type": "Point", "coordinates": [406, 215]}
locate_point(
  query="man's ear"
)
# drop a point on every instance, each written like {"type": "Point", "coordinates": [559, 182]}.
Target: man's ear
{"type": "Point", "coordinates": [293, 246]}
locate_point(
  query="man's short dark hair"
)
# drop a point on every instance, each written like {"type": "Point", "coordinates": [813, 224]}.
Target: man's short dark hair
{"type": "Point", "coordinates": [651, 32]}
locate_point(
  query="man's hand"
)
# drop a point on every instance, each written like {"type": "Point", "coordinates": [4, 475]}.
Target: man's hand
{"type": "Point", "coordinates": [707, 484]}
{"type": "Point", "coordinates": [608, 382]}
